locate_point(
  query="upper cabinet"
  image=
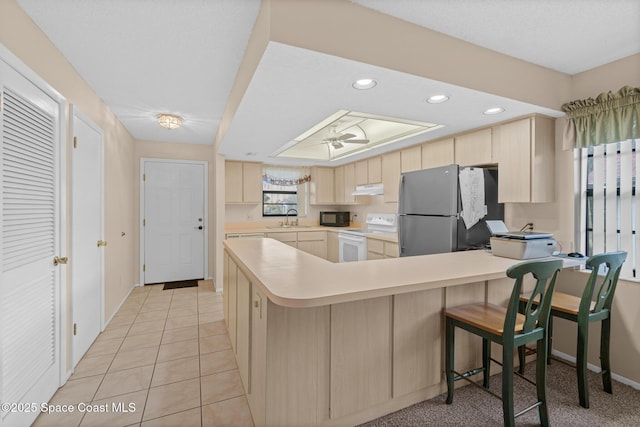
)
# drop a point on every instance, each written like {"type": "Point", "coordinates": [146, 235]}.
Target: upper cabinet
{"type": "Point", "coordinates": [391, 175]}
{"type": "Point", "coordinates": [527, 166]}
{"type": "Point", "coordinates": [243, 182]}
{"type": "Point", "coordinates": [374, 170]}
{"type": "Point", "coordinates": [321, 186]}
{"type": "Point", "coordinates": [411, 159]}
{"type": "Point", "coordinates": [438, 153]}
{"type": "Point", "coordinates": [474, 149]}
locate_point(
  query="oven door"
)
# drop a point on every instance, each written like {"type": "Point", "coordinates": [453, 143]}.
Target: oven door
{"type": "Point", "coordinates": [352, 247]}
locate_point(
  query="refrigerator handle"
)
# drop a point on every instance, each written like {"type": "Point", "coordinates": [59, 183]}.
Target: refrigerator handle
{"type": "Point", "coordinates": [400, 194]}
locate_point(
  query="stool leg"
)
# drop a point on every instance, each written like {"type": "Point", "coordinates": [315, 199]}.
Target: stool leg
{"type": "Point", "coordinates": [550, 339]}
{"type": "Point", "coordinates": [605, 363]}
{"type": "Point", "coordinates": [486, 362]}
{"type": "Point", "coordinates": [507, 386]}
{"type": "Point", "coordinates": [581, 362]}
{"type": "Point", "coordinates": [541, 382]}
{"type": "Point", "coordinates": [522, 349]}
{"type": "Point", "coordinates": [449, 358]}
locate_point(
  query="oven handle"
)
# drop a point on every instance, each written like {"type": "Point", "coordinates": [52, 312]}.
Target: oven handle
{"type": "Point", "coordinates": [356, 239]}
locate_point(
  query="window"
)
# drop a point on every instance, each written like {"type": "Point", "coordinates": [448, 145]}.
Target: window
{"type": "Point", "coordinates": [609, 206]}
{"type": "Point", "coordinates": [277, 200]}
{"type": "Point", "coordinates": [284, 189]}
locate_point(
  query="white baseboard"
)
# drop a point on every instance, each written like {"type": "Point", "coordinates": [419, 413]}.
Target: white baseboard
{"type": "Point", "coordinates": [596, 369]}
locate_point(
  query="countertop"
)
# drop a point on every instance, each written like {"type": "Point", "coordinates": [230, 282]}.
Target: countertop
{"type": "Point", "coordinates": [293, 278]}
{"type": "Point", "coordinates": [256, 228]}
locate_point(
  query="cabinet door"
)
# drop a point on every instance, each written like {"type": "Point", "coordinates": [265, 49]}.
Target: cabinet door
{"type": "Point", "coordinates": [514, 172]}
{"type": "Point", "coordinates": [473, 149]}
{"type": "Point", "coordinates": [438, 153]}
{"type": "Point", "coordinates": [338, 184]}
{"type": "Point", "coordinates": [411, 159]}
{"type": "Point", "coordinates": [349, 183]}
{"type": "Point", "coordinates": [243, 320]}
{"type": "Point", "coordinates": [321, 186]}
{"type": "Point", "coordinates": [252, 182]}
{"type": "Point", "coordinates": [391, 250]}
{"type": "Point", "coordinates": [233, 306]}
{"type": "Point", "coordinates": [333, 248]}
{"type": "Point", "coordinates": [374, 170]}
{"type": "Point", "coordinates": [314, 247]}
{"type": "Point", "coordinates": [391, 176]}
{"type": "Point", "coordinates": [258, 385]}
{"type": "Point", "coordinates": [233, 182]}
{"type": "Point", "coordinates": [290, 238]}
{"type": "Point", "coordinates": [225, 287]}
{"type": "Point", "coordinates": [362, 172]}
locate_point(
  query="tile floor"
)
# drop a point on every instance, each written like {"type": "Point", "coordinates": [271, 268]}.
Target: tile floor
{"type": "Point", "coordinates": [166, 358]}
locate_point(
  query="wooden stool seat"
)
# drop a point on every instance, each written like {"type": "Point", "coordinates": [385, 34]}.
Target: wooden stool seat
{"type": "Point", "coordinates": [511, 330]}
{"type": "Point", "coordinates": [488, 317]}
{"type": "Point", "coordinates": [593, 306]}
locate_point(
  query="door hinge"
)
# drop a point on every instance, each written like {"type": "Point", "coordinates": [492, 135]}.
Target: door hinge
{"type": "Point", "coordinates": [144, 222]}
{"type": "Point", "coordinates": [75, 142]}
{"type": "Point", "coordinates": [75, 329]}
{"type": "Point", "coordinates": [144, 267]}
{"type": "Point", "coordinates": [144, 176]}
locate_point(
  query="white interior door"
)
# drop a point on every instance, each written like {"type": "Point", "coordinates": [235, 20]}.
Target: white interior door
{"type": "Point", "coordinates": [86, 231]}
{"type": "Point", "coordinates": [31, 230]}
{"type": "Point", "coordinates": [173, 221]}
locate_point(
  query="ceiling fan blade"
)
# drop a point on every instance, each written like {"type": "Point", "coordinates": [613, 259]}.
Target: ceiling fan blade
{"type": "Point", "coordinates": [345, 136]}
{"type": "Point", "coordinates": [337, 144]}
{"type": "Point", "coordinates": [357, 141]}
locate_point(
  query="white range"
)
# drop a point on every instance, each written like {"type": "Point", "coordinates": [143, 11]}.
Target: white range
{"type": "Point", "coordinates": [353, 242]}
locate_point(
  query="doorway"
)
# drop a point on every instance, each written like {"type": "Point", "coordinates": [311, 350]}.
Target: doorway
{"type": "Point", "coordinates": [87, 246]}
{"type": "Point", "coordinates": [173, 232]}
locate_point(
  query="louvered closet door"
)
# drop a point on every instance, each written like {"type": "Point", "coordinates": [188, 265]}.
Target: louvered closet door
{"type": "Point", "coordinates": [29, 292]}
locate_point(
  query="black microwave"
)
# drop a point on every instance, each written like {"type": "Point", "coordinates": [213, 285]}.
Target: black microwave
{"type": "Point", "coordinates": [334, 219]}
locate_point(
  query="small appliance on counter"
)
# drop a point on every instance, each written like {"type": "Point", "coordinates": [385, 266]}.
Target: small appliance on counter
{"type": "Point", "coordinates": [520, 244]}
{"type": "Point", "coordinates": [335, 219]}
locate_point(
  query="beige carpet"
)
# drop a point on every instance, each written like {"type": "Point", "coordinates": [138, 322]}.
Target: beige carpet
{"type": "Point", "coordinates": [473, 407]}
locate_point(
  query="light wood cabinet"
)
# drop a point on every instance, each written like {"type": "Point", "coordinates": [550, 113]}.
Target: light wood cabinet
{"type": "Point", "coordinates": [338, 185]}
{"type": "Point", "coordinates": [333, 248]}
{"type": "Point", "coordinates": [526, 171]}
{"type": "Point", "coordinates": [349, 183]}
{"type": "Point", "coordinates": [321, 187]}
{"type": "Point", "coordinates": [256, 394]}
{"type": "Point", "coordinates": [411, 159]}
{"type": "Point", "coordinates": [379, 249]}
{"type": "Point", "coordinates": [290, 238]}
{"type": "Point", "coordinates": [231, 288]}
{"type": "Point", "coordinates": [243, 182]}
{"type": "Point", "coordinates": [438, 153]}
{"type": "Point", "coordinates": [313, 242]}
{"type": "Point", "coordinates": [243, 325]}
{"type": "Point", "coordinates": [362, 172]}
{"type": "Point", "coordinates": [474, 149]}
{"type": "Point", "coordinates": [391, 175]}
{"type": "Point", "coordinates": [374, 170]}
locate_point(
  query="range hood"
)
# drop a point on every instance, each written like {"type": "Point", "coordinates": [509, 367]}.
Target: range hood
{"type": "Point", "coordinates": [369, 190]}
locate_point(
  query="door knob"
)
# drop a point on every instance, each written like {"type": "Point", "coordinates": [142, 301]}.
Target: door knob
{"type": "Point", "coordinates": [102, 243]}
{"type": "Point", "coordinates": [60, 260]}
{"type": "Point", "coordinates": [200, 227]}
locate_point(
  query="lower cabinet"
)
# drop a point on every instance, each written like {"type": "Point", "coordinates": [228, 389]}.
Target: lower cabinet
{"type": "Point", "coordinates": [380, 249]}
{"type": "Point", "coordinates": [333, 247]}
{"type": "Point", "coordinates": [312, 242]}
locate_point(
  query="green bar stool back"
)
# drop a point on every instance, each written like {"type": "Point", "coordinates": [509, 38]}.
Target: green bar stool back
{"type": "Point", "coordinates": [507, 327]}
{"type": "Point", "coordinates": [593, 306]}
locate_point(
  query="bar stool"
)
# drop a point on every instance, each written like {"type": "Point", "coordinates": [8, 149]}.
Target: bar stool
{"type": "Point", "coordinates": [507, 327]}
{"type": "Point", "coordinates": [584, 310]}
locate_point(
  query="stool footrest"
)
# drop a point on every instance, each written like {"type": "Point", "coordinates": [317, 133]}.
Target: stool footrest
{"type": "Point", "coordinates": [467, 374]}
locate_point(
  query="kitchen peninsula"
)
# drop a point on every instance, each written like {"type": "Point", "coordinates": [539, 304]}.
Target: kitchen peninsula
{"type": "Point", "coordinates": [319, 343]}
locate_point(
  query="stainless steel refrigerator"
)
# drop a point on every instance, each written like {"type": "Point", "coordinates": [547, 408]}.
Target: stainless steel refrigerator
{"type": "Point", "coordinates": [429, 211]}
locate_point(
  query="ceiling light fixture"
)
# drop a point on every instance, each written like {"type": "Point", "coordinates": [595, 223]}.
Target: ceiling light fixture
{"type": "Point", "coordinates": [494, 110]}
{"type": "Point", "coordinates": [364, 84]}
{"type": "Point", "coordinates": [437, 99]}
{"type": "Point", "coordinates": [169, 121]}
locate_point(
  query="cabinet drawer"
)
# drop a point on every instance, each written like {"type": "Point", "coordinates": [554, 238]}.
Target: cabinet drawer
{"type": "Point", "coordinates": [284, 237]}
{"type": "Point", "coordinates": [374, 245]}
{"type": "Point", "coordinates": [312, 235]}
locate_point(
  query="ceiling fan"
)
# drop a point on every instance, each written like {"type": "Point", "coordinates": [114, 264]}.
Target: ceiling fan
{"type": "Point", "coordinates": [336, 139]}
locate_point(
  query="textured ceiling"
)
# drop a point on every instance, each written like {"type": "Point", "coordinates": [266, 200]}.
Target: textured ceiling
{"type": "Point", "coordinates": [144, 57]}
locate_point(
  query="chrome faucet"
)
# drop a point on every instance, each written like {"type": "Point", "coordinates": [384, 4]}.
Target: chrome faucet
{"type": "Point", "coordinates": [286, 222]}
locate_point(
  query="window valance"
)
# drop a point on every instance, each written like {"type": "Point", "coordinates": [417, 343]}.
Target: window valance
{"type": "Point", "coordinates": [285, 176]}
{"type": "Point", "coordinates": [610, 117]}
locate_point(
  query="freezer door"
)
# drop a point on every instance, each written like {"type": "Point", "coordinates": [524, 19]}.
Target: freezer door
{"type": "Point", "coordinates": [424, 235]}
{"type": "Point", "coordinates": [429, 191]}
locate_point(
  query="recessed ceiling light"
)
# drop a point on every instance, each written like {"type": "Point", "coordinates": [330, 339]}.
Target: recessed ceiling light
{"type": "Point", "coordinates": [437, 99]}
{"type": "Point", "coordinates": [364, 84]}
{"type": "Point", "coordinates": [494, 110]}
